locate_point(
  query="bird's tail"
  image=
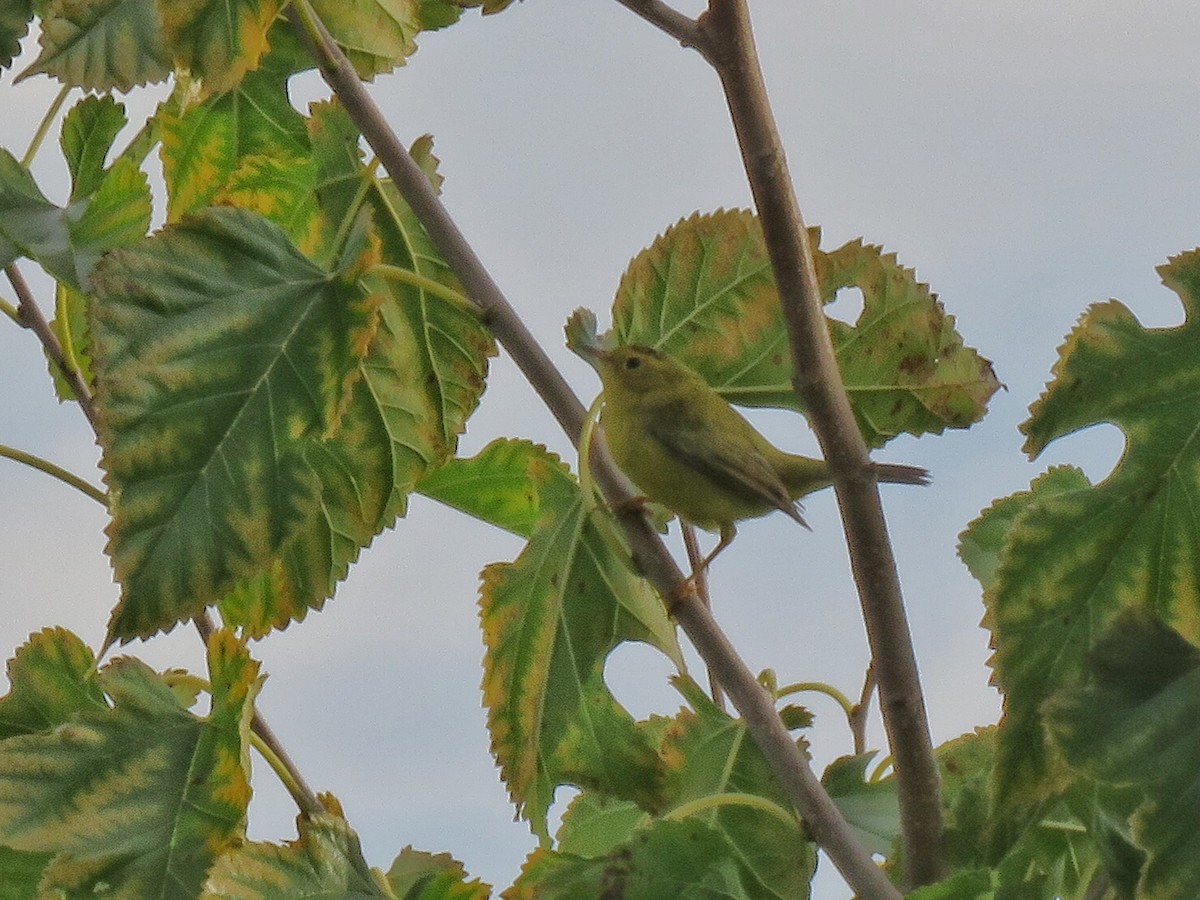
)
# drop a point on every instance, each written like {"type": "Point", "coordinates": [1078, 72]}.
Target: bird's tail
{"type": "Point", "coordinates": [894, 473]}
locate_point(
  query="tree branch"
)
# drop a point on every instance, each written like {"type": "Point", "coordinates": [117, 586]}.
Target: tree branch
{"type": "Point", "coordinates": [683, 28]}
{"type": "Point", "coordinates": [752, 701]}
{"type": "Point", "coordinates": [730, 47]}
{"type": "Point", "coordinates": [31, 317]}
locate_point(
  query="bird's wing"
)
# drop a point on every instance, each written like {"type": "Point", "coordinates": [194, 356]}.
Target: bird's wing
{"type": "Point", "coordinates": [725, 457]}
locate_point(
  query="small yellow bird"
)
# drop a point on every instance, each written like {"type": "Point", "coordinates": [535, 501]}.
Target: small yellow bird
{"type": "Point", "coordinates": [686, 448]}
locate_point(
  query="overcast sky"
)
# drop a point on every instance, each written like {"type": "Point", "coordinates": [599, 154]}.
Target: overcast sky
{"type": "Point", "coordinates": [1026, 158]}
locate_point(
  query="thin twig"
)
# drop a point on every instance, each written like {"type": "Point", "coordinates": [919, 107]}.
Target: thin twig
{"type": "Point", "coordinates": [700, 580]}
{"type": "Point", "coordinates": [730, 47]}
{"type": "Point", "coordinates": [823, 820]}
{"type": "Point", "coordinates": [32, 318]}
{"type": "Point", "coordinates": [858, 715]}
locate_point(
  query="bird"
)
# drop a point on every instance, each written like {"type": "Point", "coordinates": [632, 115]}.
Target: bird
{"type": "Point", "coordinates": [685, 447]}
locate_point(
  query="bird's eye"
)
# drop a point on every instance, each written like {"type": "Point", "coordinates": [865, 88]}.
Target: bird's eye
{"type": "Point", "coordinates": [633, 362]}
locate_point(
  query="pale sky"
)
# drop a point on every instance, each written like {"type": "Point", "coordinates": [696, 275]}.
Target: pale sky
{"type": "Point", "coordinates": [1026, 158]}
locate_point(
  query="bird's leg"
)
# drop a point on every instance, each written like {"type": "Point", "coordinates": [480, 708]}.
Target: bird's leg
{"type": "Point", "coordinates": [681, 591]}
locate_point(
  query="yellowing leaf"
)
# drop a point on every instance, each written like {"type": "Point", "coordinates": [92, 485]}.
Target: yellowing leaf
{"type": "Point", "coordinates": [705, 293]}
{"type": "Point", "coordinates": [218, 40]}
{"type": "Point", "coordinates": [139, 798]}
{"type": "Point", "coordinates": [320, 863]}
{"type": "Point", "coordinates": [376, 35]}
{"type": "Point", "coordinates": [102, 44]}
{"type": "Point", "coordinates": [549, 620]}
{"type": "Point", "coordinates": [1074, 561]}
{"type": "Point", "coordinates": [221, 355]}
{"type": "Point", "coordinates": [206, 146]}
{"type": "Point", "coordinates": [421, 378]}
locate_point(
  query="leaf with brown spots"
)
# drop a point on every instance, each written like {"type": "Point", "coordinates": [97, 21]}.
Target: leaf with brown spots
{"type": "Point", "coordinates": [704, 292]}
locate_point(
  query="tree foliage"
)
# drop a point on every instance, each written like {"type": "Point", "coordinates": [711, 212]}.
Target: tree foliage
{"type": "Point", "coordinates": [290, 356]}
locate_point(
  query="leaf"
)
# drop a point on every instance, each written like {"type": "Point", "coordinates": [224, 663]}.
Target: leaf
{"type": "Point", "coordinates": [415, 875]}
{"type": "Point", "coordinates": [222, 356]}
{"type": "Point", "coordinates": [982, 542]}
{"type": "Point", "coordinates": [1074, 561]}
{"type": "Point", "coordinates": [903, 362]}
{"type": "Point", "coordinates": [319, 863]}
{"type": "Point", "coordinates": [704, 292]}
{"type": "Point", "coordinates": [217, 40]}
{"type": "Point", "coordinates": [965, 765]}
{"type": "Point", "coordinates": [281, 189]}
{"type": "Point", "coordinates": [88, 132]}
{"type": "Point", "coordinates": [376, 35]}
{"type": "Point", "coordinates": [20, 873]}
{"type": "Point", "coordinates": [872, 808]}
{"type": "Point", "coordinates": [971, 884]}
{"type": "Point", "coordinates": [137, 799]}
{"type": "Point", "coordinates": [53, 679]}
{"type": "Point", "coordinates": [437, 14]}
{"type": "Point", "coordinates": [594, 824]}
{"type": "Point", "coordinates": [32, 226]}
{"type": "Point", "coordinates": [667, 859]}
{"type": "Point", "coordinates": [498, 485]}
{"type": "Point", "coordinates": [421, 378]}
{"type": "Point", "coordinates": [710, 755]}
{"type": "Point", "coordinates": [549, 620]}
{"type": "Point", "coordinates": [502, 485]}
{"type": "Point", "coordinates": [102, 44]}
{"type": "Point", "coordinates": [15, 17]}
{"type": "Point", "coordinates": [1135, 723]}
{"type": "Point", "coordinates": [205, 145]}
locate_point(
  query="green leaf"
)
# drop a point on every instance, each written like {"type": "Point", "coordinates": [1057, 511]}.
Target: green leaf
{"type": "Point", "coordinates": [1074, 561]}
{"type": "Point", "coordinates": [973, 884]}
{"type": "Point", "coordinates": [32, 226]}
{"type": "Point", "coordinates": [20, 873]}
{"type": "Point", "coordinates": [53, 679]}
{"type": "Point", "coordinates": [217, 40]}
{"type": "Point", "coordinates": [88, 132]}
{"type": "Point", "coordinates": [668, 859]}
{"type": "Point", "coordinates": [705, 293]}
{"type": "Point", "coordinates": [102, 44]}
{"type": "Point", "coordinates": [421, 378]}
{"type": "Point", "coordinates": [594, 824]}
{"type": "Point", "coordinates": [415, 875]}
{"type": "Point", "coordinates": [205, 146]}
{"type": "Point", "coordinates": [549, 620]}
{"type": "Point", "coordinates": [1137, 723]}
{"type": "Point", "coordinates": [319, 863]}
{"type": "Point", "coordinates": [376, 35]}
{"type": "Point", "coordinates": [281, 189]}
{"type": "Point", "coordinates": [15, 17]}
{"type": "Point", "coordinates": [872, 808]}
{"type": "Point", "coordinates": [982, 542]}
{"type": "Point", "coordinates": [437, 14]}
{"type": "Point", "coordinates": [140, 798]}
{"type": "Point", "coordinates": [498, 485]}
{"type": "Point", "coordinates": [222, 357]}
{"type": "Point", "coordinates": [711, 758]}
{"type": "Point", "coordinates": [965, 765]}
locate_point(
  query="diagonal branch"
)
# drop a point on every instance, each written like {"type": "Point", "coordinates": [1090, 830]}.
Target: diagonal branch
{"type": "Point", "coordinates": [684, 29]}
{"type": "Point", "coordinates": [31, 317]}
{"type": "Point", "coordinates": [823, 820]}
{"type": "Point", "coordinates": [730, 45]}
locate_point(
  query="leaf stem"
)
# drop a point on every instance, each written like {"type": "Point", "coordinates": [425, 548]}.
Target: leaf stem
{"type": "Point", "coordinates": [827, 825]}
{"type": "Point", "coordinates": [30, 315]}
{"type": "Point", "coordinates": [729, 46]}
{"type": "Point", "coordinates": [428, 285]}
{"type": "Point", "coordinates": [715, 801]}
{"type": "Point", "coordinates": [819, 687]}
{"type": "Point", "coordinates": [44, 126]}
{"type": "Point", "coordinates": [55, 471]}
